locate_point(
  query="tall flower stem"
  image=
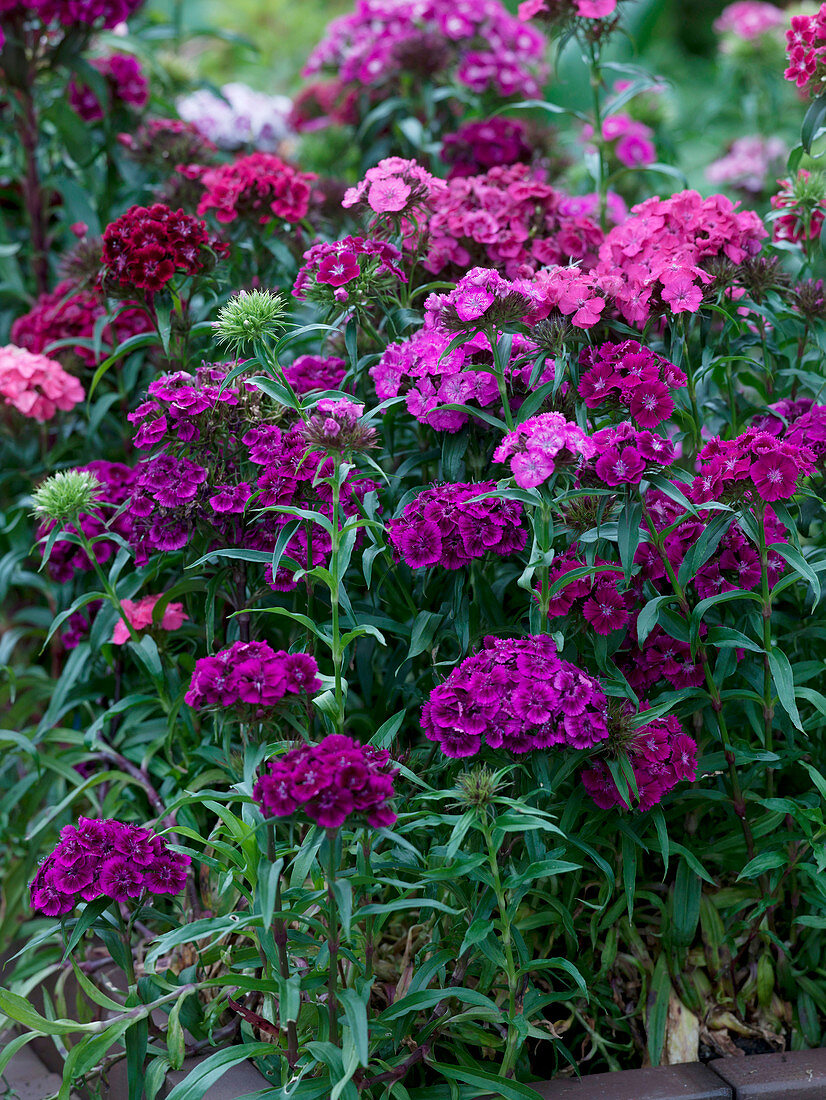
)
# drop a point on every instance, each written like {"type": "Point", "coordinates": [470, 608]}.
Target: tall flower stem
{"type": "Point", "coordinates": [280, 939]}
{"type": "Point", "coordinates": [766, 612]}
{"type": "Point", "coordinates": [332, 938]}
{"type": "Point", "coordinates": [511, 972]}
{"type": "Point", "coordinates": [499, 367]}
{"type": "Point", "coordinates": [336, 648]}
{"type": "Point", "coordinates": [34, 196]}
{"type": "Point", "coordinates": [543, 532]}
{"type": "Point", "coordinates": [738, 801]}
{"type": "Point", "coordinates": [595, 71]}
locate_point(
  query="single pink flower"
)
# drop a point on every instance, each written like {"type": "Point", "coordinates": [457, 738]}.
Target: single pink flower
{"type": "Point", "coordinates": [140, 612]}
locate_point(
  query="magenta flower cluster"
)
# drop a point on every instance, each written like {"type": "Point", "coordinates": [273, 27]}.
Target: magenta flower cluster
{"type": "Point", "coordinates": [756, 463]}
{"type": "Point", "coordinates": [73, 13]}
{"type": "Point", "coordinates": [656, 255]}
{"type": "Point", "coordinates": [430, 377]}
{"type": "Point", "coordinates": [628, 139]}
{"type": "Point", "coordinates": [598, 598]}
{"type": "Point", "coordinates": [116, 484]}
{"type": "Point", "coordinates": [125, 82]}
{"type": "Point", "coordinates": [540, 446]}
{"type": "Point", "coordinates": [806, 51]}
{"type": "Point", "coordinates": [102, 858]}
{"type": "Point", "coordinates": [446, 526]}
{"type": "Point", "coordinates": [630, 377]}
{"type": "Point", "coordinates": [252, 675]}
{"type": "Point", "coordinates": [490, 143]}
{"type": "Point", "coordinates": [330, 782]}
{"type": "Point", "coordinates": [475, 43]}
{"type": "Point", "coordinates": [800, 422]}
{"type": "Point", "coordinates": [515, 694]}
{"type": "Point", "coordinates": [351, 271]}
{"type": "Point", "coordinates": [315, 372]}
{"type": "Point", "coordinates": [624, 456]}
{"type": "Point", "coordinates": [507, 219]}
{"type": "Point", "coordinates": [661, 756]}
{"type": "Point", "coordinates": [478, 301]}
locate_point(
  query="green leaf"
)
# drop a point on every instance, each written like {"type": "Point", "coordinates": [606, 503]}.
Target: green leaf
{"type": "Point", "coordinates": [813, 122]}
{"type": "Point", "coordinates": [766, 861]}
{"type": "Point", "coordinates": [488, 1083]}
{"type": "Point", "coordinates": [783, 678]}
{"type": "Point", "coordinates": [657, 1010]}
{"type": "Point", "coordinates": [212, 1069]}
{"type": "Point", "coordinates": [355, 1013]}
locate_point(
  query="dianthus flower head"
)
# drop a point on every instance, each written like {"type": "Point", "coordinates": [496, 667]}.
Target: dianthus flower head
{"type": "Point", "coordinates": [35, 385]}
{"type": "Point", "coordinates": [659, 753]}
{"type": "Point", "coordinates": [444, 526]}
{"type": "Point", "coordinates": [630, 377]}
{"type": "Point", "coordinates": [315, 372]}
{"type": "Point", "coordinates": [515, 694]}
{"type": "Point", "coordinates": [804, 199]}
{"type": "Point", "coordinates": [248, 316]}
{"type": "Point", "coordinates": [259, 188]}
{"type": "Point", "coordinates": [353, 270]}
{"type": "Point", "coordinates": [338, 426]}
{"type": "Point", "coordinates": [125, 82]}
{"type": "Point", "coordinates": [806, 52]}
{"type": "Point", "coordinates": [140, 614]}
{"type": "Point", "coordinates": [754, 466]}
{"type": "Point", "coordinates": [624, 456]}
{"type": "Point", "coordinates": [330, 782]}
{"type": "Point", "coordinates": [147, 246]}
{"type": "Point", "coordinates": [479, 145]}
{"type": "Point", "coordinates": [251, 676]}
{"type": "Point", "coordinates": [103, 858]}
{"type": "Point", "coordinates": [482, 299]}
{"type": "Point", "coordinates": [540, 446]}
{"type": "Point", "coordinates": [748, 163]}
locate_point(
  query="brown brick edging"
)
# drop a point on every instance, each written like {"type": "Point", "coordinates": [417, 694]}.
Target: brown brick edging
{"type": "Point", "coordinates": [795, 1075]}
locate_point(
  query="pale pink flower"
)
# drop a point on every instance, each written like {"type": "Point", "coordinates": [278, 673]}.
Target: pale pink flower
{"type": "Point", "coordinates": [139, 613]}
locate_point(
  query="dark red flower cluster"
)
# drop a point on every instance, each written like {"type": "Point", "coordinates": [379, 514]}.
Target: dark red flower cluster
{"type": "Point", "coordinates": [67, 313]}
{"type": "Point", "coordinates": [445, 526]}
{"type": "Point", "coordinates": [661, 756]}
{"type": "Point", "coordinates": [102, 858]}
{"type": "Point", "coordinates": [329, 782]}
{"type": "Point", "coordinates": [516, 694]}
{"type": "Point", "coordinates": [125, 82]}
{"type": "Point", "coordinates": [629, 377]}
{"type": "Point", "coordinates": [68, 558]}
{"type": "Point", "coordinates": [147, 246]}
{"type": "Point", "coordinates": [251, 675]}
{"type": "Point", "coordinates": [258, 188]}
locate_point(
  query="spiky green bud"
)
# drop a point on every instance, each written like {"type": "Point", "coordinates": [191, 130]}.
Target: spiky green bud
{"type": "Point", "coordinates": [62, 497]}
{"type": "Point", "coordinates": [248, 316]}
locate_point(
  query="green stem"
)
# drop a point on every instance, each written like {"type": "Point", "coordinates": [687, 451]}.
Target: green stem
{"type": "Point", "coordinates": [602, 173]}
{"type": "Point", "coordinates": [280, 938]}
{"type": "Point", "coordinates": [512, 1042]}
{"type": "Point", "coordinates": [332, 939]}
{"type": "Point", "coordinates": [766, 611]}
{"type": "Point", "coordinates": [500, 367]}
{"type": "Point", "coordinates": [335, 647]}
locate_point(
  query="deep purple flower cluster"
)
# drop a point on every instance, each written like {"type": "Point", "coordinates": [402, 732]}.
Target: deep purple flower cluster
{"type": "Point", "coordinates": [67, 558]}
{"type": "Point", "coordinates": [214, 449]}
{"type": "Point", "coordinates": [476, 43]}
{"type": "Point", "coordinates": [625, 456]}
{"type": "Point", "coordinates": [756, 464]}
{"type": "Point", "coordinates": [599, 599]}
{"type": "Point", "coordinates": [251, 674]}
{"type": "Point", "coordinates": [661, 756]}
{"type": "Point", "coordinates": [315, 372]}
{"type": "Point", "coordinates": [516, 694]}
{"type": "Point", "coordinates": [350, 272]}
{"type": "Point", "coordinates": [630, 377]}
{"type": "Point", "coordinates": [329, 782]}
{"type": "Point", "coordinates": [105, 858]}
{"type": "Point", "coordinates": [430, 376]}
{"type": "Point", "coordinates": [800, 422]}
{"type": "Point", "coordinates": [479, 145]}
{"type": "Point", "coordinates": [72, 13]}
{"type": "Point", "coordinates": [445, 526]}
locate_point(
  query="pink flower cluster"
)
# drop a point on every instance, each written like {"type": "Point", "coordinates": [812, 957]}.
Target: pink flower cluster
{"type": "Point", "coordinates": [257, 188]}
{"type": "Point", "coordinates": [479, 300]}
{"type": "Point", "coordinates": [125, 82]}
{"type": "Point", "coordinates": [507, 219]}
{"type": "Point", "coordinates": [656, 254]}
{"type": "Point", "coordinates": [631, 378]}
{"type": "Point", "coordinates": [806, 206]}
{"type": "Point", "coordinates": [578, 295]}
{"type": "Point", "coordinates": [67, 558]}
{"type": "Point", "coordinates": [66, 313]}
{"type": "Point", "coordinates": [350, 271]}
{"type": "Point", "coordinates": [446, 526]}
{"type": "Point", "coordinates": [516, 694]}
{"type": "Point", "coordinates": [625, 456]}
{"type": "Point", "coordinates": [749, 19]}
{"type": "Point", "coordinates": [806, 51]}
{"type": "Point", "coordinates": [145, 247]}
{"type": "Point", "coordinates": [102, 858]}
{"type": "Point", "coordinates": [315, 372]}
{"type": "Point", "coordinates": [140, 614]}
{"type": "Point", "coordinates": [330, 782]}
{"type": "Point", "coordinates": [560, 10]}
{"type": "Point", "coordinates": [475, 43]}
{"type": "Point", "coordinates": [430, 376]}
{"type": "Point", "coordinates": [35, 385]}
{"type": "Point", "coordinates": [396, 187]}
{"type": "Point", "coordinates": [629, 140]}
{"type": "Point", "coordinates": [748, 163]}
{"type": "Point", "coordinates": [540, 446]}
{"type": "Point", "coordinates": [490, 143]}
{"type": "Point", "coordinates": [755, 463]}
{"type": "Point", "coordinates": [661, 756]}
{"type": "Point", "coordinates": [251, 674]}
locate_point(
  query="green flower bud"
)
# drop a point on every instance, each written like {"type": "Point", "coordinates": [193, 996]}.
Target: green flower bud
{"type": "Point", "coordinates": [62, 497]}
{"type": "Point", "coordinates": [248, 316]}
